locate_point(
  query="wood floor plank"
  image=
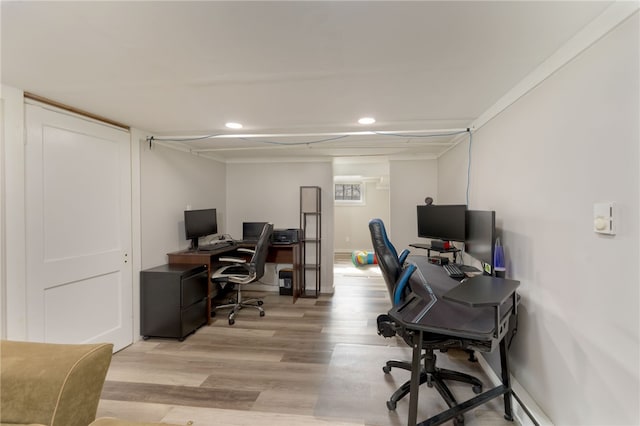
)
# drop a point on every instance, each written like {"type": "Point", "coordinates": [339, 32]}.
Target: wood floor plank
{"type": "Point", "coordinates": [212, 417]}
{"type": "Point", "coordinates": [180, 395]}
{"type": "Point", "coordinates": [299, 401]}
{"type": "Point", "coordinates": [153, 374]}
{"type": "Point", "coordinates": [133, 410]}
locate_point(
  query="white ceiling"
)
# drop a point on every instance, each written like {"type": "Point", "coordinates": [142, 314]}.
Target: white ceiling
{"type": "Point", "coordinates": [185, 68]}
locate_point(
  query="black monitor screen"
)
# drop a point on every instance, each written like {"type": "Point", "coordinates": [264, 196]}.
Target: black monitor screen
{"type": "Point", "coordinates": [481, 236]}
{"type": "Point", "coordinates": [251, 230]}
{"type": "Point", "coordinates": [200, 223]}
{"type": "Point", "coordinates": [446, 222]}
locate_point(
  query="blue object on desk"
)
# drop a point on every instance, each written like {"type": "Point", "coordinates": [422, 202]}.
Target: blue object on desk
{"type": "Point", "coordinates": [498, 259]}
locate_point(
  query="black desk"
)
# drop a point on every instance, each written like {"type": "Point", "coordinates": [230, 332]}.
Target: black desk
{"type": "Point", "coordinates": [476, 311]}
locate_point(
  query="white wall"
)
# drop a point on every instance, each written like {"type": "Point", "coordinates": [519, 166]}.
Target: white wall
{"type": "Point", "coordinates": [14, 259]}
{"type": "Point", "coordinates": [270, 192]}
{"type": "Point", "coordinates": [541, 165]}
{"type": "Point", "coordinates": [411, 181]}
{"type": "Point", "coordinates": [351, 230]}
{"type": "Point", "coordinates": [3, 260]}
{"type": "Point", "coordinates": [170, 180]}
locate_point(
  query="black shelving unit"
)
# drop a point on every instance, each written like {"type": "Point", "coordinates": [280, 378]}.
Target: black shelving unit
{"type": "Point", "coordinates": [311, 227]}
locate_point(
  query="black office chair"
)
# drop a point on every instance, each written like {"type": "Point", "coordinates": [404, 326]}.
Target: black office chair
{"type": "Point", "coordinates": [397, 277]}
{"type": "Point", "coordinates": [241, 272]}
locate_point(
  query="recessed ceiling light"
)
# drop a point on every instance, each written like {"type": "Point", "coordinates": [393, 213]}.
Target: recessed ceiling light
{"type": "Point", "coordinates": [232, 125]}
{"type": "Point", "coordinates": [367, 120]}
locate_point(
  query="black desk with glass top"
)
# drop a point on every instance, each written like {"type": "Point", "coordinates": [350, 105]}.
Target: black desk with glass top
{"type": "Point", "coordinates": [477, 311]}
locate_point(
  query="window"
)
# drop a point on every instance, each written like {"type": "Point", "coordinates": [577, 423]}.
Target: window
{"type": "Point", "coordinates": [348, 193]}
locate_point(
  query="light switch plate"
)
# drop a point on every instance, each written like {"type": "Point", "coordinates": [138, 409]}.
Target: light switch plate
{"type": "Point", "coordinates": [603, 218]}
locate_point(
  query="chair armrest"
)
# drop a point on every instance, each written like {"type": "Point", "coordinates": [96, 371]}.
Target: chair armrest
{"type": "Point", "coordinates": [402, 283]}
{"type": "Point", "coordinates": [403, 256]}
{"type": "Point", "coordinates": [52, 384]}
{"type": "Point", "coordinates": [246, 250]}
{"type": "Point", "coordinates": [232, 260]}
{"type": "Point", "coordinates": [221, 275]}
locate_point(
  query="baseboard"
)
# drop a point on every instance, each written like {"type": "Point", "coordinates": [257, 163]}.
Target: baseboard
{"type": "Point", "coordinates": [525, 410]}
{"type": "Point", "coordinates": [343, 251]}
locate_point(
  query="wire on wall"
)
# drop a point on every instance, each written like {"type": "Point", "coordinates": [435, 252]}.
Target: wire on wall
{"type": "Point", "coordinates": [182, 139]}
{"type": "Point", "coordinates": [326, 137]}
{"type": "Point", "coordinates": [295, 143]}
{"type": "Point", "coordinates": [469, 165]}
{"type": "Point", "coordinates": [432, 135]}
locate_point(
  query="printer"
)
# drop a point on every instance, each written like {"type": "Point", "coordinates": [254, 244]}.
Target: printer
{"type": "Point", "coordinates": [285, 236]}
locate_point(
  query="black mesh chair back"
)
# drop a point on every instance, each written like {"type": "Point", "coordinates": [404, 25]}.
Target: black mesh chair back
{"type": "Point", "coordinates": [241, 271]}
{"type": "Point", "coordinates": [259, 258]}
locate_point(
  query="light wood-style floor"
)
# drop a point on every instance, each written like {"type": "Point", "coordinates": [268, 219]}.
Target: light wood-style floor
{"type": "Point", "coordinates": [315, 362]}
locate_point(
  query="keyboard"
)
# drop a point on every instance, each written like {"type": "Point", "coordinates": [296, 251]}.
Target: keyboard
{"type": "Point", "coordinates": [453, 270]}
{"type": "Point", "coordinates": [247, 242]}
{"type": "Point", "coordinates": [217, 245]}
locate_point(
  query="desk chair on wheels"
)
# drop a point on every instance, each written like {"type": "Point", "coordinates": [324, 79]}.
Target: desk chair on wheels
{"type": "Point", "coordinates": [396, 277]}
{"type": "Point", "coordinates": [239, 271]}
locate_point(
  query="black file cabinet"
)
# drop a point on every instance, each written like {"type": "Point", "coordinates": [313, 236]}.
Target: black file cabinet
{"type": "Point", "coordinates": [173, 300]}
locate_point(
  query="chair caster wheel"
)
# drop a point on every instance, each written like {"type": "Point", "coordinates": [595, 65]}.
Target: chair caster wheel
{"type": "Point", "coordinates": [261, 313]}
{"type": "Point", "coordinates": [231, 321]}
{"type": "Point", "coordinates": [260, 303]}
{"type": "Point", "coordinates": [386, 370]}
{"type": "Point", "coordinates": [477, 389]}
{"type": "Point", "coordinates": [391, 405]}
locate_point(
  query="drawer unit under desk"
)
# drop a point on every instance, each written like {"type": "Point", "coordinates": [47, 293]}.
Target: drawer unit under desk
{"type": "Point", "coordinates": [173, 300]}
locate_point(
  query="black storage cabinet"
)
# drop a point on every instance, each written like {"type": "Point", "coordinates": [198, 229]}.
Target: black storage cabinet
{"type": "Point", "coordinates": [173, 300]}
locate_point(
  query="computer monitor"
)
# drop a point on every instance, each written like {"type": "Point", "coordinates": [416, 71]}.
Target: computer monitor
{"type": "Point", "coordinates": [481, 237]}
{"type": "Point", "coordinates": [442, 222]}
{"type": "Point", "coordinates": [199, 223]}
{"type": "Point", "coordinates": [251, 230]}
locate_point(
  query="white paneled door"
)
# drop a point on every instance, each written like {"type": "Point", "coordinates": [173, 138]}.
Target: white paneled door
{"type": "Point", "coordinates": [78, 203]}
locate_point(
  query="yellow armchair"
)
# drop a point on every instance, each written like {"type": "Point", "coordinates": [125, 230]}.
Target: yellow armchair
{"type": "Point", "coordinates": [51, 384]}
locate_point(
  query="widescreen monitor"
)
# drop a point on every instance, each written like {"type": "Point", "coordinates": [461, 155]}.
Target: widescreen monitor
{"type": "Point", "coordinates": [444, 222]}
{"type": "Point", "coordinates": [199, 223]}
{"type": "Point", "coordinates": [481, 237]}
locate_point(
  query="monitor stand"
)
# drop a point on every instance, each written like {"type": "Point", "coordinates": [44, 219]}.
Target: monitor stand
{"type": "Point", "coordinates": [440, 245]}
